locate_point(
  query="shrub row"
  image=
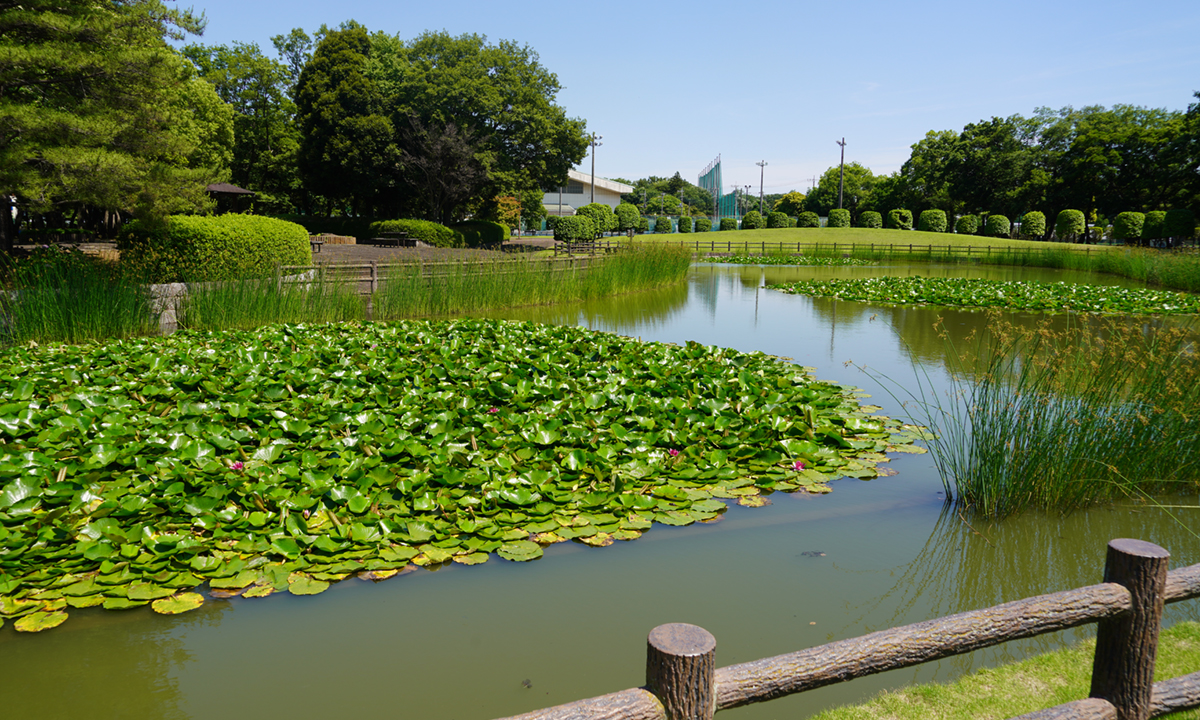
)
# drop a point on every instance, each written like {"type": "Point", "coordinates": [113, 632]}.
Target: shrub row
{"type": "Point", "coordinates": [481, 233]}
{"type": "Point", "coordinates": [428, 232]}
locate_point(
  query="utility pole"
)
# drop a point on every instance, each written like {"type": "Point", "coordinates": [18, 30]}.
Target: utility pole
{"type": "Point", "coordinates": [595, 142]}
{"type": "Point", "coordinates": [747, 192]}
{"type": "Point", "coordinates": [841, 172]}
{"type": "Point", "coordinates": [762, 165]}
{"type": "Point", "coordinates": [812, 184]}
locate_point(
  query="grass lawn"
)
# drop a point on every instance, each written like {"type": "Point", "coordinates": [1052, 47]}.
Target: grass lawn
{"type": "Point", "coordinates": [858, 236]}
{"type": "Point", "coordinates": [1033, 684]}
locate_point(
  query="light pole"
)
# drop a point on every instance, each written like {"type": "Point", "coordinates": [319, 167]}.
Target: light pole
{"type": "Point", "coordinates": [595, 142]}
{"type": "Point", "coordinates": [747, 192]}
{"type": "Point", "coordinates": [762, 164]}
{"type": "Point", "coordinates": [841, 172]}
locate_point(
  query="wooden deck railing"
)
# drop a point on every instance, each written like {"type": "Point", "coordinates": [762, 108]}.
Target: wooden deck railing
{"type": "Point", "coordinates": [683, 683]}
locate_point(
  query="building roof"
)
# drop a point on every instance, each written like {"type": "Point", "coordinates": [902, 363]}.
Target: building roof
{"type": "Point", "coordinates": [227, 189]}
{"type": "Point", "coordinates": [612, 185]}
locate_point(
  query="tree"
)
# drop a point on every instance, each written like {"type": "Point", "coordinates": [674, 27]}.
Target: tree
{"type": "Point", "coordinates": [442, 169]}
{"type": "Point", "coordinates": [347, 144]}
{"type": "Point", "coordinates": [294, 49]}
{"type": "Point", "coordinates": [791, 203]}
{"type": "Point", "coordinates": [859, 183]}
{"type": "Point", "coordinates": [628, 218]}
{"type": "Point", "coordinates": [265, 137]}
{"type": "Point", "coordinates": [88, 95]}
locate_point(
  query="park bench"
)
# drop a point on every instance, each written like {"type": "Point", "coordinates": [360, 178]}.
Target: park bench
{"type": "Point", "coordinates": [316, 244]}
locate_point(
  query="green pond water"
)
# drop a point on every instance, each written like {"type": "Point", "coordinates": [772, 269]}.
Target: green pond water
{"type": "Point", "coordinates": [503, 638]}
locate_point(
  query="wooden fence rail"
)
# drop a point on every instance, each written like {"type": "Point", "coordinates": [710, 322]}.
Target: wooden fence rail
{"type": "Point", "coordinates": [369, 275]}
{"type": "Point", "coordinates": [682, 682]}
{"type": "Point", "coordinates": [730, 246]}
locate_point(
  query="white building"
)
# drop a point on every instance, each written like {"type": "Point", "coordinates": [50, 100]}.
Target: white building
{"type": "Point", "coordinates": [578, 192]}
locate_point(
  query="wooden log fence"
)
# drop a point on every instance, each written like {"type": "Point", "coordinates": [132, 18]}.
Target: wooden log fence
{"type": "Point", "coordinates": [682, 684]}
{"type": "Point", "coordinates": [744, 247]}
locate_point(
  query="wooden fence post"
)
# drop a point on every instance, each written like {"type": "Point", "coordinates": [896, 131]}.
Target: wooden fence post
{"type": "Point", "coordinates": [1126, 645]}
{"type": "Point", "coordinates": [681, 670]}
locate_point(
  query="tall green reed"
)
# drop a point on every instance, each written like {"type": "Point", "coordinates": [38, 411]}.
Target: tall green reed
{"type": "Point", "coordinates": [1038, 418]}
{"type": "Point", "coordinates": [313, 296]}
{"type": "Point", "coordinates": [58, 295]}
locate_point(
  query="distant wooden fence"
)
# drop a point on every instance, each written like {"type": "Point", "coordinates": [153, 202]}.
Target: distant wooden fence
{"type": "Point", "coordinates": [683, 683]}
{"type": "Point", "coordinates": [369, 275]}
{"type": "Point", "coordinates": [742, 247]}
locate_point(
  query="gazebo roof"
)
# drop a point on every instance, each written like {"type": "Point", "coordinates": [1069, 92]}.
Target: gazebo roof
{"type": "Point", "coordinates": [227, 189]}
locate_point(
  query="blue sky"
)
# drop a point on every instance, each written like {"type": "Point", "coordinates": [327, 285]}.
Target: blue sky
{"type": "Point", "coordinates": [672, 85]}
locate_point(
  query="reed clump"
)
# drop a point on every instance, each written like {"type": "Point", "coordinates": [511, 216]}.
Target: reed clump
{"type": "Point", "coordinates": [1097, 412]}
{"type": "Point", "coordinates": [418, 290]}
{"type": "Point", "coordinates": [313, 296]}
{"type": "Point", "coordinates": [62, 295]}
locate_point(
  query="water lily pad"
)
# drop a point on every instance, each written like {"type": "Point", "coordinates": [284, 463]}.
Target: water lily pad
{"type": "Point", "coordinates": [120, 603]}
{"type": "Point", "coordinates": [258, 591]}
{"type": "Point", "coordinates": [39, 621]}
{"type": "Point", "coordinates": [85, 601]}
{"type": "Point", "coordinates": [240, 580]}
{"type": "Point", "coordinates": [477, 558]}
{"type": "Point", "coordinates": [547, 538]}
{"type": "Point", "coordinates": [520, 551]}
{"type": "Point", "coordinates": [598, 540]}
{"type": "Point", "coordinates": [303, 585]}
{"type": "Point", "coordinates": [176, 604]}
{"type": "Point", "coordinates": [225, 594]}
{"type": "Point", "coordinates": [377, 575]}
{"type": "Point", "coordinates": [148, 591]}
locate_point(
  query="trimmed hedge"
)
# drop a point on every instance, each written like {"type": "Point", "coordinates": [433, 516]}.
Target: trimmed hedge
{"type": "Point", "coordinates": [839, 217]}
{"type": "Point", "coordinates": [703, 225]}
{"type": "Point", "coordinates": [1179, 223]}
{"type": "Point", "coordinates": [574, 228]}
{"type": "Point", "coordinates": [196, 248]}
{"type": "Point", "coordinates": [1152, 229]}
{"type": "Point", "coordinates": [1033, 225]}
{"type": "Point", "coordinates": [685, 224]}
{"type": "Point", "coordinates": [808, 219]}
{"type": "Point", "coordinates": [482, 233]}
{"type": "Point", "coordinates": [1128, 226]}
{"type": "Point", "coordinates": [900, 219]}
{"type": "Point", "coordinates": [967, 225]}
{"type": "Point", "coordinates": [753, 220]}
{"type": "Point", "coordinates": [777, 219]}
{"type": "Point", "coordinates": [997, 226]}
{"type": "Point", "coordinates": [791, 221]}
{"type": "Point", "coordinates": [932, 221]}
{"type": "Point", "coordinates": [1069, 225]}
{"type": "Point", "coordinates": [627, 216]}
{"type": "Point", "coordinates": [428, 232]}
{"type": "Point", "coordinates": [870, 219]}
{"type": "Point", "coordinates": [662, 224]}
{"type": "Point", "coordinates": [602, 216]}
{"type": "Point", "coordinates": [728, 224]}
{"type": "Point", "coordinates": [643, 225]}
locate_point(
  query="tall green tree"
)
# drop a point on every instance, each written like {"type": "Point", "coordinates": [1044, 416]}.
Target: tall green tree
{"type": "Point", "coordinates": [348, 152]}
{"type": "Point", "coordinates": [856, 193]}
{"type": "Point", "coordinates": [90, 110]}
{"type": "Point", "coordinates": [791, 203]}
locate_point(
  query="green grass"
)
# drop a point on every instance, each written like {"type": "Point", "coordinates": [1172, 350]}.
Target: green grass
{"type": "Point", "coordinates": [742, 240]}
{"type": "Point", "coordinates": [410, 292]}
{"type": "Point", "coordinates": [63, 296]}
{"type": "Point", "coordinates": [1038, 418]}
{"type": "Point", "coordinates": [249, 303]}
{"type": "Point", "coordinates": [1039, 682]}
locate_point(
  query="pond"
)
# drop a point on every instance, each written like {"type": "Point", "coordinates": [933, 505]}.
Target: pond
{"type": "Point", "coordinates": [503, 638]}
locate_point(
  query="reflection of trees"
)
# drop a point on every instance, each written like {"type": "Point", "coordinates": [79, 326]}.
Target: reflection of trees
{"type": "Point", "coordinates": [619, 313]}
{"type": "Point", "coordinates": [101, 664]}
{"type": "Point", "coordinates": [968, 567]}
{"type": "Point", "coordinates": [705, 282]}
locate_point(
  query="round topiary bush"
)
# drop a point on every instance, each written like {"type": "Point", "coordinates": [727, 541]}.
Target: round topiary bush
{"type": "Point", "coordinates": [1033, 225]}
{"type": "Point", "coordinates": [728, 224]}
{"type": "Point", "coordinates": [703, 225]}
{"type": "Point", "coordinates": [900, 219]}
{"type": "Point", "coordinates": [838, 218]}
{"type": "Point", "coordinates": [967, 225]}
{"type": "Point", "coordinates": [870, 219]}
{"type": "Point", "coordinates": [791, 221]}
{"type": "Point", "coordinates": [1152, 229]}
{"type": "Point", "coordinates": [1179, 224]}
{"type": "Point", "coordinates": [1128, 226]}
{"type": "Point", "coordinates": [602, 216]}
{"type": "Point", "coordinates": [643, 225]}
{"type": "Point", "coordinates": [575, 228]}
{"type": "Point", "coordinates": [997, 226]}
{"type": "Point", "coordinates": [808, 219]}
{"type": "Point", "coordinates": [932, 221]}
{"type": "Point", "coordinates": [662, 224]}
{"type": "Point", "coordinates": [685, 224]}
{"type": "Point", "coordinates": [1069, 225]}
{"type": "Point", "coordinates": [196, 248]}
{"type": "Point", "coordinates": [628, 217]}
{"type": "Point", "coordinates": [777, 219]}
{"type": "Point", "coordinates": [753, 220]}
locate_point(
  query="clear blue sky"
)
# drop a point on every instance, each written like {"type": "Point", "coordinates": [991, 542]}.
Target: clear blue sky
{"type": "Point", "coordinates": [670, 85]}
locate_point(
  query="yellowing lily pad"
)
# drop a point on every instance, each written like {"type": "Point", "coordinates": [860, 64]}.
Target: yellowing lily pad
{"type": "Point", "coordinates": [304, 585]}
{"type": "Point", "coordinates": [86, 601]}
{"type": "Point", "coordinates": [910, 449]}
{"type": "Point", "coordinates": [547, 538]}
{"type": "Point", "coordinates": [260, 591]}
{"type": "Point", "coordinates": [753, 501]}
{"type": "Point", "coordinates": [476, 558]}
{"type": "Point", "coordinates": [120, 603]}
{"type": "Point", "coordinates": [39, 621]}
{"type": "Point", "coordinates": [598, 540]}
{"type": "Point", "coordinates": [176, 604]}
{"type": "Point", "coordinates": [377, 575]}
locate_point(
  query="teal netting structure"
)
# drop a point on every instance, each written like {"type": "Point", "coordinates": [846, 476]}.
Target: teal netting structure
{"type": "Point", "coordinates": [710, 180]}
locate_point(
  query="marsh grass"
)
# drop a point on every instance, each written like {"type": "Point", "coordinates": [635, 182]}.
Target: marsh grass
{"type": "Point", "coordinates": [313, 297]}
{"type": "Point", "coordinates": [1039, 418]}
{"type": "Point", "coordinates": [64, 296]}
{"type": "Point", "coordinates": [410, 290]}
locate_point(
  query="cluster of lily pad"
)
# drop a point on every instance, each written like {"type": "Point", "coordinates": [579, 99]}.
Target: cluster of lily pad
{"type": "Point", "coordinates": [291, 457]}
{"type": "Point", "coordinates": [806, 260]}
{"type": "Point", "coordinates": [1012, 295]}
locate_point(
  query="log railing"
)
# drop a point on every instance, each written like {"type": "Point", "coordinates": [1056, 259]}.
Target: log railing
{"type": "Point", "coordinates": [730, 246]}
{"type": "Point", "coordinates": [682, 682]}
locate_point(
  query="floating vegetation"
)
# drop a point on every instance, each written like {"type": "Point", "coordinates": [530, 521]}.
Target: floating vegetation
{"type": "Point", "coordinates": [805, 260]}
{"type": "Point", "coordinates": [1010, 295]}
{"type": "Point", "coordinates": [290, 457]}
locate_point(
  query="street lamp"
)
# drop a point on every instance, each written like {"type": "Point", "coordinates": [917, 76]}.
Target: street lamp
{"type": "Point", "coordinates": [595, 142]}
{"type": "Point", "coordinates": [841, 172]}
{"type": "Point", "coordinates": [762, 164]}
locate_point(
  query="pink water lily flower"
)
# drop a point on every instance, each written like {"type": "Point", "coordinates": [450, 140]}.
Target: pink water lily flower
{"type": "Point", "coordinates": [493, 410]}
{"type": "Point", "coordinates": [237, 465]}
{"type": "Point", "coordinates": [673, 452]}
{"type": "Point", "coordinates": [798, 466]}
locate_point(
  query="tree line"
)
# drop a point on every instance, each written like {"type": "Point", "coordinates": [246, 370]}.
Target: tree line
{"type": "Point", "coordinates": [101, 119]}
